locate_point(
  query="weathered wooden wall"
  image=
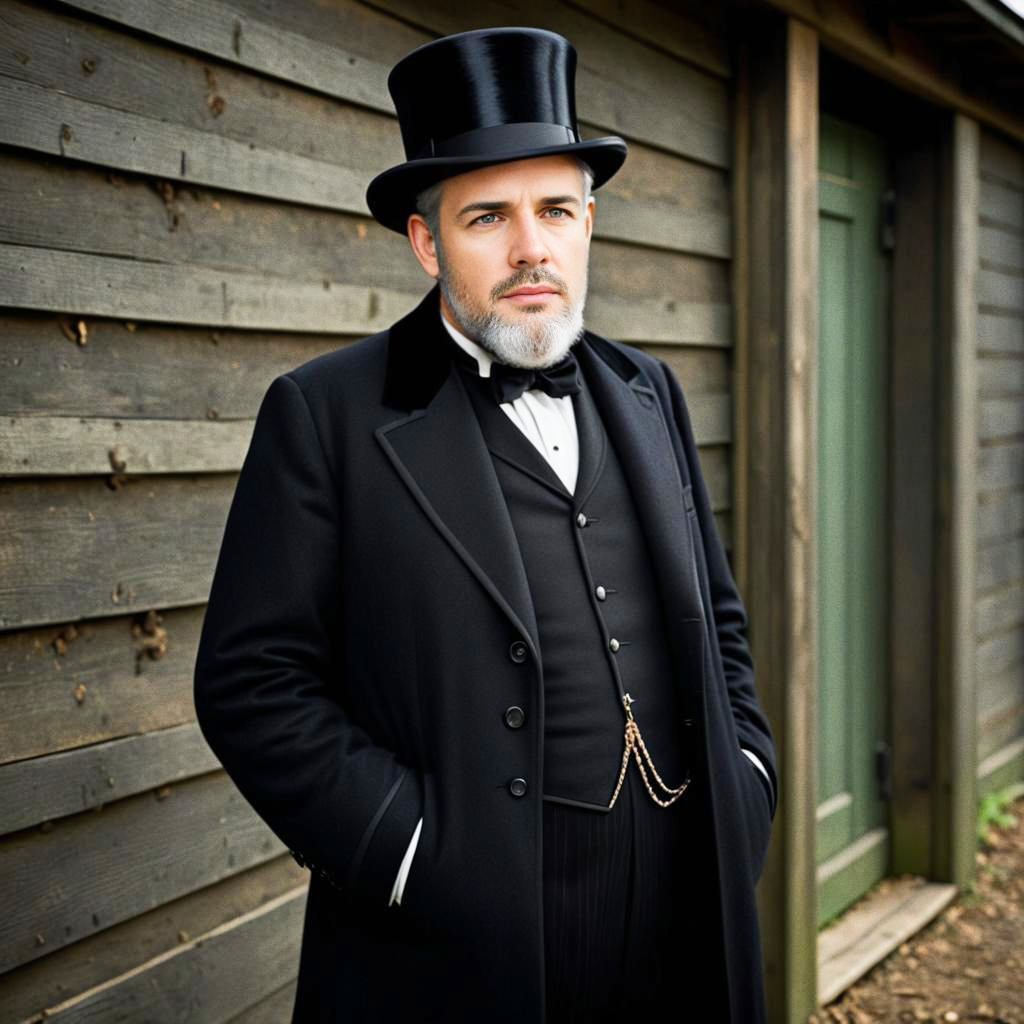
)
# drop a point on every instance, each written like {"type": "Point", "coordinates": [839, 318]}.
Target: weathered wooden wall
{"type": "Point", "coordinates": [182, 219]}
{"type": "Point", "coordinates": [1000, 469]}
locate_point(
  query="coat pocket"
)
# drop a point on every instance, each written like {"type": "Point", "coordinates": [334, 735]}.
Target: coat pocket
{"type": "Point", "coordinates": [758, 814]}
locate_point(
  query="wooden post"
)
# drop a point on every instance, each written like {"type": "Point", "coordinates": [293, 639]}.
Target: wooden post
{"type": "Point", "coordinates": [957, 718]}
{"type": "Point", "coordinates": [777, 224]}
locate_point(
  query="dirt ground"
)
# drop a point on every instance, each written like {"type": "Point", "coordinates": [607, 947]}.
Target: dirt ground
{"type": "Point", "coordinates": [968, 964]}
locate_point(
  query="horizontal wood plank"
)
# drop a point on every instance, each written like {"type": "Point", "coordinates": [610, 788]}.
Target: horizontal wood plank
{"type": "Point", "coordinates": [679, 31]}
{"type": "Point", "coordinates": [1001, 159]}
{"type": "Point", "coordinates": [999, 665]}
{"type": "Point", "coordinates": [65, 445]}
{"type": "Point", "coordinates": [65, 973]}
{"type": "Point", "coordinates": [69, 685]}
{"type": "Point", "coordinates": [1000, 465]}
{"type": "Point", "coordinates": [274, 1009]}
{"type": "Point", "coordinates": [1000, 204]}
{"type": "Point", "coordinates": [1001, 249]}
{"type": "Point", "coordinates": [45, 788]}
{"type": "Point", "coordinates": [232, 34]}
{"type": "Point", "coordinates": [1000, 609]}
{"type": "Point", "coordinates": [622, 85]}
{"type": "Point", "coordinates": [1000, 290]}
{"type": "Point", "coordinates": [206, 979]}
{"type": "Point", "coordinates": [1003, 728]}
{"type": "Point", "coordinates": [1000, 418]}
{"type": "Point", "coordinates": [80, 283]}
{"type": "Point", "coordinates": [999, 564]}
{"type": "Point", "coordinates": [1000, 377]}
{"type": "Point", "coordinates": [96, 869]}
{"type": "Point", "coordinates": [685, 110]}
{"type": "Point", "coordinates": [145, 371]}
{"type": "Point", "coordinates": [876, 926]}
{"type": "Point", "coordinates": [1001, 332]}
{"type": "Point", "coordinates": [1000, 515]}
{"type": "Point", "coordinates": [78, 549]}
{"type": "Point", "coordinates": [49, 122]}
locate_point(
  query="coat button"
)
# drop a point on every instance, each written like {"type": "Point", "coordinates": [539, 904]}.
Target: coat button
{"type": "Point", "coordinates": [601, 593]}
{"type": "Point", "coordinates": [517, 787]}
{"type": "Point", "coordinates": [514, 716]}
{"type": "Point", "coordinates": [581, 520]}
{"type": "Point", "coordinates": [518, 651]}
{"type": "Point", "coordinates": [613, 645]}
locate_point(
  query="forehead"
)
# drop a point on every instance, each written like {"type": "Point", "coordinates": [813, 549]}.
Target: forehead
{"type": "Point", "coordinates": [545, 175]}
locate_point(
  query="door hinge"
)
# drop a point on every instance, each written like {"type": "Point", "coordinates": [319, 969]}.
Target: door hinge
{"type": "Point", "coordinates": [888, 239]}
{"type": "Point", "coordinates": [883, 770]}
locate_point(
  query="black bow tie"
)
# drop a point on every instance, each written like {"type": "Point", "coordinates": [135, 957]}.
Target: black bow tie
{"type": "Point", "coordinates": [509, 382]}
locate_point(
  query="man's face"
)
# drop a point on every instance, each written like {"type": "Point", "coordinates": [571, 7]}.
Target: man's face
{"type": "Point", "coordinates": [512, 258]}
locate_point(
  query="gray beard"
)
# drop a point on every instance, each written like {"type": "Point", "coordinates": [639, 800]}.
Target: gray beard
{"type": "Point", "coordinates": [537, 345]}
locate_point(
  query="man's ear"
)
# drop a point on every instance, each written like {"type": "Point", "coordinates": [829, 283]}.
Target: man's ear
{"type": "Point", "coordinates": [422, 243]}
{"type": "Point", "coordinates": [591, 206]}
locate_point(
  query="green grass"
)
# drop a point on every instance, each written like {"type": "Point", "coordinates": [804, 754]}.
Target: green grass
{"type": "Point", "coordinates": [993, 811]}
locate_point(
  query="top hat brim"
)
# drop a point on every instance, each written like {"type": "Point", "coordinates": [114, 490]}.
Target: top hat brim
{"type": "Point", "coordinates": [391, 196]}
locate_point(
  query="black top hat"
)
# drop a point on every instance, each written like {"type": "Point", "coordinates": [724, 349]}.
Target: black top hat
{"type": "Point", "coordinates": [478, 98]}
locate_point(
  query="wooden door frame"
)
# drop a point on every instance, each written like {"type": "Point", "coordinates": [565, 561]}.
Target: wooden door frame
{"type": "Point", "coordinates": [775, 268]}
{"type": "Point", "coordinates": [775, 287]}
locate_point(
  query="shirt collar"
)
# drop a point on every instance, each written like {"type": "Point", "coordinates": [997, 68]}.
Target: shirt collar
{"type": "Point", "coordinates": [482, 356]}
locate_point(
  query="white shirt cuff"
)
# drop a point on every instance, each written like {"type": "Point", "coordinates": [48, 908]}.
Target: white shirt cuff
{"type": "Point", "coordinates": [403, 869]}
{"type": "Point", "coordinates": [757, 761]}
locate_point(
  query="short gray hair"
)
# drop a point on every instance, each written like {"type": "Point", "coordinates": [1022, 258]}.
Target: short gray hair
{"type": "Point", "coordinates": [428, 202]}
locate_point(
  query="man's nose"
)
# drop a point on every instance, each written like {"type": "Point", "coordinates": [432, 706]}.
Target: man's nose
{"type": "Point", "coordinates": [528, 246]}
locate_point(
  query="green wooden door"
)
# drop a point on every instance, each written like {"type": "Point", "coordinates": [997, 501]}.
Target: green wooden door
{"type": "Point", "coordinates": [852, 813]}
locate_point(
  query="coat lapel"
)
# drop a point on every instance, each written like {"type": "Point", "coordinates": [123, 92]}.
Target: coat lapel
{"type": "Point", "coordinates": [636, 427]}
{"type": "Point", "coordinates": [438, 450]}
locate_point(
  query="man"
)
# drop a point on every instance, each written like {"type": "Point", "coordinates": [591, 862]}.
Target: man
{"type": "Point", "coordinates": [473, 649]}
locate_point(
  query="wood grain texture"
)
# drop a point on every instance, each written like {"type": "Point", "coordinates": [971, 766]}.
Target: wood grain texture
{"type": "Point", "coordinates": [57, 785]}
{"type": "Point", "coordinates": [1001, 608]}
{"type": "Point", "coordinates": [99, 868]}
{"type": "Point", "coordinates": [142, 106]}
{"type": "Point", "coordinates": [115, 951]}
{"type": "Point", "coordinates": [1002, 159]}
{"type": "Point", "coordinates": [692, 32]}
{"type": "Point", "coordinates": [145, 371]}
{"type": "Point", "coordinates": [66, 445]}
{"type": "Point", "coordinates": [685, 111]}
{"type": "Point", "coordinates": [69, 685]}
{"type": "Point", "coordinates": [78, 548]}
{"type": "Point", "coordinates": [207, 978]}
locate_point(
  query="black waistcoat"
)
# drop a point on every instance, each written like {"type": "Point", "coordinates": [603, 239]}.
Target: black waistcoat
{"type": "Point", "coordinates": [600, 623]}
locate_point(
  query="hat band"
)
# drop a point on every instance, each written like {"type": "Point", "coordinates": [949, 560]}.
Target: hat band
{"type": "Point", "coordinates": [498, 139]}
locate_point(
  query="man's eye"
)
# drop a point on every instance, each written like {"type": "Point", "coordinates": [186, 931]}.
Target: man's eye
{"type": "Point", "coordinates": [558, 212]}
{"type": "Point", "coordinates": [482, 219]}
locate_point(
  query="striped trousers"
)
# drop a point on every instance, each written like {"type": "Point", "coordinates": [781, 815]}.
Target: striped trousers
{"type": "Point", "coordinates": [616, 887]}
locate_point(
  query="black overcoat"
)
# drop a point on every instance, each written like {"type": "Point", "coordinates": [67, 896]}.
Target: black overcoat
{"type": "Point", "coordinates": [363, 638]}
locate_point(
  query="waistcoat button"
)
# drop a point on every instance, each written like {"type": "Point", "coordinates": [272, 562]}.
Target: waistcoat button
{"type": "Point", "coordinates": [613, 645]}
{"type": "Point", "coordinates": [517, 787]}
{"type": "Point", "coordinates": [517, 652]}
{"type": "Point", "coordinates": [581, 520]}
{"type": "Point", "coordinates": [601, 593]}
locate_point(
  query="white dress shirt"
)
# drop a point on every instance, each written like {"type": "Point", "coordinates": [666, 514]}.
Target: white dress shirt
{"type": "Point", "coordinates": [550, 425]}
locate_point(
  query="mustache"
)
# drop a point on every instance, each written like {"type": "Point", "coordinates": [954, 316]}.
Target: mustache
{"type": "Point", "coordinates": [528, 277]}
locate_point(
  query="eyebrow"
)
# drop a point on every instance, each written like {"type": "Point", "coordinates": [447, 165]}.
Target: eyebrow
{"type": "Point", "coordinates": [503, 204]}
